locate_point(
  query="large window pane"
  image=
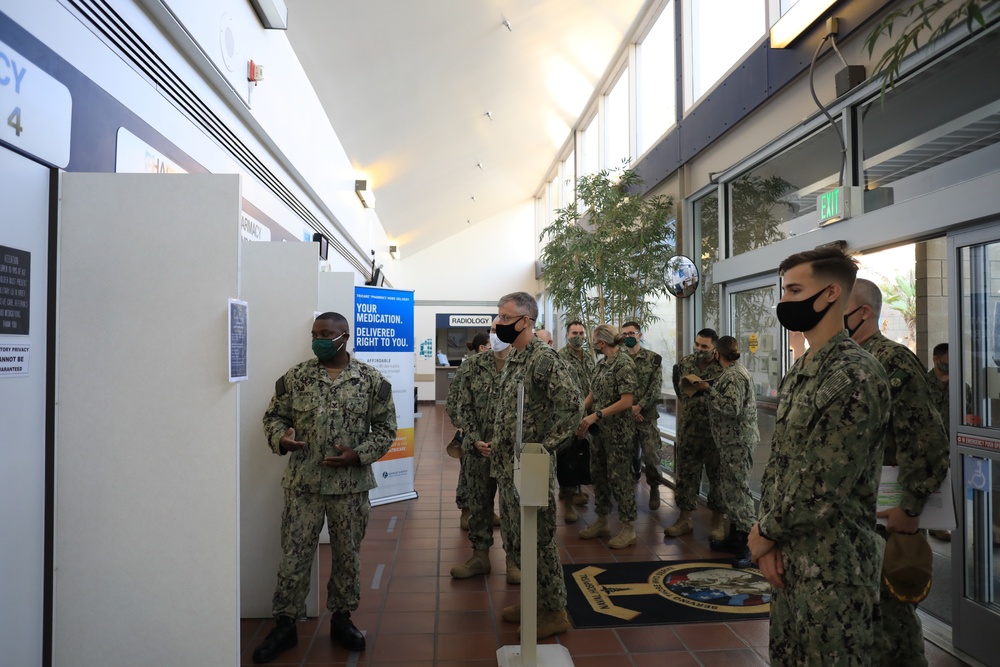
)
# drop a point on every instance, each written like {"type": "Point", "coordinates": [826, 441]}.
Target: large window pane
{"type": "Point", "coordinates": [778, 198]}
{"type": "Point", "coordinates": [720, 33]}
{"type": "Point", "coordinates": [655, 76]}
{"type": "Point", "coordinates": [590, 147]}
{"type": "Point", "coordinates": [706, 235]}
{"type": "Point", "coordinates": [617, 123]}
{"type": "Point", "coordinates": [568, 176]}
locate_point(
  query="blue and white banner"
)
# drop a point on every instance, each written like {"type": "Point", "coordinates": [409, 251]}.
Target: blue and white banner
{"type": "Point", "coordinates": [383, 338]}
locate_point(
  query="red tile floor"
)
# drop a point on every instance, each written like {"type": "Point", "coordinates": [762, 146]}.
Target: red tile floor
{"type": "Point", "coordinates": [415, 615]}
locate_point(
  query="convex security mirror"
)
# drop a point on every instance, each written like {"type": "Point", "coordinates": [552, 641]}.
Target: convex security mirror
{"type": "Point", "coordinates": [681, 276]}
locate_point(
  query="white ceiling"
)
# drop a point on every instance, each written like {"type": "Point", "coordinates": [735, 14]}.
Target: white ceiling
{"type": "Point", "coordinates": [407, 84]}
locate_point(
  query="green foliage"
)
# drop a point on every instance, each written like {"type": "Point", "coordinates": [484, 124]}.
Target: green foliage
{"type": "Point", "coordinates": [605, 255]}
{"type": "Point", "coordinates": [975, 14]}
{"type": "Point", "coordinates": [900, 294]}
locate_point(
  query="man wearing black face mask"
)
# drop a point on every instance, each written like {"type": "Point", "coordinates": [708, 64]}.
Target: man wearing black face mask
{"type": "Point", "coordinates": [814, 539]}
{"type": "Point", "coordinates": [333, 416]}
{"type": "Point", "coordinates": [918, 444]}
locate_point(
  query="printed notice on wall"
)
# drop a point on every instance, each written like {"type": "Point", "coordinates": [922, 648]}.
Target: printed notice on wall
{"type": "Point", "coordinates": [237, 340]}
{"type": "Point", "coordinates": [15, 290]}
{"type": "Point", "coordinates": [14, 359]}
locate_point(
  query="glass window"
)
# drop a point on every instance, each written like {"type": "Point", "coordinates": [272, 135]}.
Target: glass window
{"type": "Point", "coordinates": [948, 111]}
{"type": "Point", "coordinates": [719, 34]}
{"type": "Point", "coordinates": [777, 199]}
{"type": "Point", "coordinates": [656, 74]}
{"type": "Point", "coordinates": [706, 239]}
{"type": "Point", "coordinates": [979, 270]}
{"type": "Point", "coordinates": [590, 142]}
{"type": "Point", "coordinates": [554, 203]}
{"type": "Point", "coordinates": [616, 119]}
{"type": "Point", "coordinates": [568, 176]}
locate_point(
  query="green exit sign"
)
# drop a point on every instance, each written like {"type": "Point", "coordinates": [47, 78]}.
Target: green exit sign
{"type": "Point", "coordinates": [835, 205]}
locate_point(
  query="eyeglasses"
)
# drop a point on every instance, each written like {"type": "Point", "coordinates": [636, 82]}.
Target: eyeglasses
{"type": "Point", "coordinates": [507, 319]}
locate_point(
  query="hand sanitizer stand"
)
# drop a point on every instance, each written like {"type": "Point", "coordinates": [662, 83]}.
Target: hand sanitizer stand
{"type": "Point", "coordinates": [531, 479]}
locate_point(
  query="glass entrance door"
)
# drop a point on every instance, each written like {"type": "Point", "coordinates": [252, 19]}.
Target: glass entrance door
{"type": "Point", "coordinates": [751, 319]}
{"type": "Point", "coordinates": [975, 437]}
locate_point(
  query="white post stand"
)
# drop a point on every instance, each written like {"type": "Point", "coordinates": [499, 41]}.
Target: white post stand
{"type": "Point", "coordinates": [532, 482]}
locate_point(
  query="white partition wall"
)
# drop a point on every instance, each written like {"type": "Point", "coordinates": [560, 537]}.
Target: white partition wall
{"type": "Point", "coordinates": [336, 293]}
{"type": "Point", "coordinates": [147, 424]}
{"type": "Point", "coordinates": [280, 283]}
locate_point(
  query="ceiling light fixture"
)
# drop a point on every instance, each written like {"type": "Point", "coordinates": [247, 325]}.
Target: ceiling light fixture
{"type": "Point", "coordinates": [273, 14]}
{"type": "Point", "coordinates": [489, 115]}
{"type": "Point", "coordinates": [796, 21]}
{"type": "Point", "coordinates": [365, 194]}
{"type": "Point", "coordinates": [506, 24]}
{"type": "Point", "coordinates": [473, 197]}
{"type": "Point", "coordinates": [480, 165]}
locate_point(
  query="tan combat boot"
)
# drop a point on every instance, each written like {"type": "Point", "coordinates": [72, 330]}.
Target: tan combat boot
{"type": "Point", "coordinates": [478, 564]}
{"type": "Point", "coordinates": [569, 511]}
{"type": "Point", "coordinates": [597, 529]}
{"type": "Point", "coordinates": [511, 614]}
{"type": "Point", "coordinates": [719, 530]}
{"type": "Point", "coordinates": [580, 499]}
{"type": "Point", "coordinates": [552, 622]}
{"type": "Point", "coordinates": [682, 526]}
{"type": "Point", "coordinates": [626, 537]}
{"type": "Point", "coordinates": [654, 497]}
{"type": "Point", "coordinates": [513, 572]}
{"type": "Point", "coordinates": [463, 522]}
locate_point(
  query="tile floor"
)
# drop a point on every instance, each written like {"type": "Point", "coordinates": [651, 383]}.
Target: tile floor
{"type": "Point", "coordinates": [415, 615]}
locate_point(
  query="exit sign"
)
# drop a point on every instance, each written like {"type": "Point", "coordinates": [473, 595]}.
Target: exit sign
{"type": "Point", "coordinates": [835, 205]}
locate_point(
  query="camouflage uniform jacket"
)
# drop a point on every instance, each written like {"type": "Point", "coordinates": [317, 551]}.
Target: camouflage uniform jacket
{"type": "Point", "coordinates": [475, 405]}
{"type": "Point", "coordinates": [613, 377]}
{"type": "Point", "coordinates": [356, 410]}
{"type": "Point", "coordinates": [820, 485]}
{"type": "Point", "coordinates": [649, 375]}
{"type": "Point", "coordinates": [553, 407]}
{"type": "Point", "coordinates": [694, 409]}
{"type": "Point", "coordinates": [734, 408]}
{"type": "Point", "coordinates": [454, 392]}
{"type": "Point", "coordinates": [941, 399]}
{"type": "Point", "coordinates": [581, 367]}
{"type": "Point", "coordinates": [916, 440]}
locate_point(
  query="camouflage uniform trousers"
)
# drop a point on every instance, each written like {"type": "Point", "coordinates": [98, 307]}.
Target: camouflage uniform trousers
{"type": "Point", "coordinates": [816, 622]}
{"type": "Point", "coordinates": [301, 523]}
{"type": "Point", "coordinates": [462, 490]}
{"type": "Point", "coordinates": [735, 463]}
{"type": "Point", "coordinates": [551, 585]}
{"type": "Point", "coordinates": [482, 490]}
{"type": "Point", "coordinates": [649, 436]}
{"type": "Point", "coordinates": [693, 452]}
{"type": "Point", "coordinates": [611, 452]}
{"type": "Point", "coordinates": [899, 636]}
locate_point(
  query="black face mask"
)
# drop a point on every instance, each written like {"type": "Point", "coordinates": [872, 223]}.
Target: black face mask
{"type": "Point", "coordinates": [850, 331]}
{"type": "Point", "coordinates": [799, 315]}
{"type": "Point", "coordinates": [507, 333]}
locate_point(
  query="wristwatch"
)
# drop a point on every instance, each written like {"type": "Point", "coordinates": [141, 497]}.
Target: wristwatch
{"type": "Point", "coordinates": [599, 414]}
{"type": "Point", "coordinates": [910, 513]}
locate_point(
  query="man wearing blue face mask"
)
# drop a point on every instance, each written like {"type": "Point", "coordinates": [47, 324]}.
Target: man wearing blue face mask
{"type": "Point", "coordinates": [333, 416]}
{"type": "Point", "coordinates": [815, 538]}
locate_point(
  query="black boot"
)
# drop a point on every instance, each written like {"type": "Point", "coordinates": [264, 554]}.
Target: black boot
{"type": "Point", "coordinates": [343, 630]}
{"type": "Point", "coordinates": [283, 637]}
{"type": "Point", "coordinates": [733, 543]}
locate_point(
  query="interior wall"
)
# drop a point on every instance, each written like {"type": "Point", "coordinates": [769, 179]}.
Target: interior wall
{"type": "Point", "coordinates": [484, 262]}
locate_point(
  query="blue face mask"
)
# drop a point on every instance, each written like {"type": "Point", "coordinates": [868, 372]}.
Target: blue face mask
{"type": "Point", "coordinates": [323, 347]}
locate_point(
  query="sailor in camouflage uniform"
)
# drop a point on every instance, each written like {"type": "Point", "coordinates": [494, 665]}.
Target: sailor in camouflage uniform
{"type": "Point", "coordinates": [916, 442]}
{"type": "Point", "coordinates": [333, 416]}
{"type": "Point", "coordinates": [649, 376]}
{"type": "Point", "coordinates": [613, 444]}
{"type": "Point", "coordinates": [552, 409]}
{"type": "Point", "coordinates": [477, 379]}
{"type": "Point", "coordinates": [480, 343]}
{"type": "Point", "coordinates": [815, 539]}
{"type": "Point", "coordinates": [733, 406]}
{"type": "Point", "coordinates": [695, 448]}
{"type": "Point", "coordinates": [581, 364]}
